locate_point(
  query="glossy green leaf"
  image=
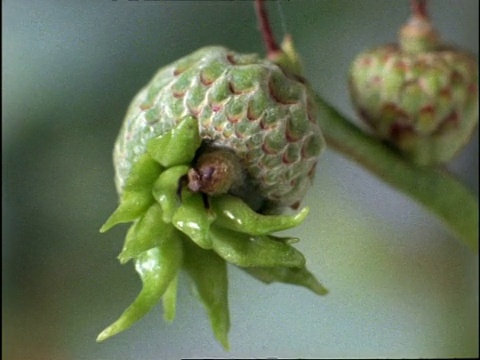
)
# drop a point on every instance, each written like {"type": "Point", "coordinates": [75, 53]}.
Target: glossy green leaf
{"type": "Point", "coordinates": [194, 220]}
{"type": "Point", "coordinates": [247, 250]}
{"type": "Point", "coordinates": [149, 231]}
{"type": "Point", "coordinates": [178, 146]}
{"type": "Point", "coordinates": [165, 190]}
{"type": "Point", "coordinates": [136, 196]}
{"type": "Point", "coordinates": [234, 214]}
{"type": "Point", "coordinates": [295, 276]}
{"type": "Point", "coordinates": [209, 274]}
{"type": "Point", "coordinates": [157, 268]}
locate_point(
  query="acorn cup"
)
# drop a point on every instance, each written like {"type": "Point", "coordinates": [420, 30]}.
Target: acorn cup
{"type": "Point", "coordinates": [419, 95]}
{"type": "Point", "coordinates": [210, 153]}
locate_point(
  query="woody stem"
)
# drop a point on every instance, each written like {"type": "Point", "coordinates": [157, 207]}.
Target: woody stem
{"type": "Point", "coordinates": [267, 34]}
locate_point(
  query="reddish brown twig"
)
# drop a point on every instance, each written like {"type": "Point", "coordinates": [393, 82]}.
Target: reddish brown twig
{"type": "Point", "coordinates": [267, 35]}
{"type": "Point", "coordinates": [419, 8]}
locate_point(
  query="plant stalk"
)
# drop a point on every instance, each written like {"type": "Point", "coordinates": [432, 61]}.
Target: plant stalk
{"type": "Point", "coordinates": [436, 189]}
{"type": "Point", "coordinates": [268, 39]}
{"type": "Point", "coordinates": [419, 8]}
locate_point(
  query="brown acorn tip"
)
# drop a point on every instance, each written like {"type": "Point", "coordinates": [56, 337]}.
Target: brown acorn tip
{"type": "Point", "coordinates": [418, 35]}
{"type": "Point", "coordinates": [216, 172]}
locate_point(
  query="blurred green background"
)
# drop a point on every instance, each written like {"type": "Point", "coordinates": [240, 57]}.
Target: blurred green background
{"type": "Point", "coordinates": [400, 284]}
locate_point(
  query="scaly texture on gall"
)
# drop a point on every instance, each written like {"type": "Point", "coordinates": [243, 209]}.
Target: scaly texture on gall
{"type": "Point", "coordinates": [244, 103]}
{"type": "Point", "coordinates": [419, 95]}
{"type": "Point", "coordinates": [210, 152]}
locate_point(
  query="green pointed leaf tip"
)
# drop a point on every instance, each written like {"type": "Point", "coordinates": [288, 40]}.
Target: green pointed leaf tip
{"type": "Point", "coordinates": [246, 250]}
{"type": "Point", "coordinates": [294, 276]}
{"type": "Point", "coordinates": [165, 190]}
{"type": "Point", "coordinates": [149, 231]}
{"type": "Point", "coordinates": [194, 220]}
{"type": "Point", "coordinates": [209, 275]}
{"type": "Point", "coordinates": [288, 58]}
{"type": "Point", "coordinates": [136, 196]}
{"type": "Point", "coordinates": [157, 268]}
{"type": "Point", "coordinates": [234, 214]}
{"type": "Point", "coordinates": [169, 301]}
{"type": "Point", "coordinates": [177, 146]}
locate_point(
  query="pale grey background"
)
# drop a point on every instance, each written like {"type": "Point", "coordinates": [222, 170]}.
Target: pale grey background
{"type": "Point", "coordinates": [401, 285]}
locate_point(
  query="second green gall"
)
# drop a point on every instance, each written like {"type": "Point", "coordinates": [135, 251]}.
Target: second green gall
{"type": "Point", "coordinates": [419, 95]}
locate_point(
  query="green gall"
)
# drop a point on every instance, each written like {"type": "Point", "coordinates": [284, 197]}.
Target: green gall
{"type": "Point", "coordinates": [420, 96]}
{"type": "Point", "coordinates": [214, 145]}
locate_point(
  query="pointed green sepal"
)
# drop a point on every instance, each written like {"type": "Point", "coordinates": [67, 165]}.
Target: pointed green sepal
{"type": "Point", "coordinates": [194, 220]}
{"type": "Point", "coordinates": [149, 231]}
{"type": "Point", "coordinates": [169, 301]}
{"type": "Point", "coordinates": [178, 146]}
{"type": "Point", "coordinates": [294, 276]}
{"type": "Point", "coordinates": [246, 250]}
{"type": "Point", "coordinates": [157, 268]}
{"type": "Point", "coordinates": [136, 196]}
{"type": "Point", "coordinates": [234, 214]}
{"type": "Point", "coordinates": [209, 274]}
{"type": "Point", "coordinates": [288, 58]}
{"type": "Point", "coordinates": [165, 190]}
